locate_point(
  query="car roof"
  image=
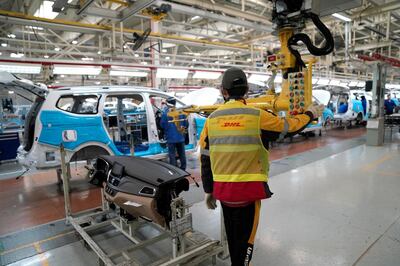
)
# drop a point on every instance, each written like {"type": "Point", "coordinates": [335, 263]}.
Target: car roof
{"type": "Point", "coordinates": [105, 89]}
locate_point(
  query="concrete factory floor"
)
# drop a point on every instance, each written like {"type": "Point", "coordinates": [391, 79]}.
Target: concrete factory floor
{"type": "Point", "coordinates": [336, 202]}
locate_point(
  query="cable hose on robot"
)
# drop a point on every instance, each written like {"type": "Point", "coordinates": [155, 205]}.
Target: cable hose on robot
{"type": "Point", "coordinates": [317, 51]}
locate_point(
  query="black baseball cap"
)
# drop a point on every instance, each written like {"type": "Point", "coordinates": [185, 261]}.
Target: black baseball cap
{"type": "Point", "coordinates": [234, 78]}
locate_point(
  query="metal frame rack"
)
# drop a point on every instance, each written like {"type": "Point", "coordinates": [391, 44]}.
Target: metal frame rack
{"type": "Point", "coordinates": [189, 247]}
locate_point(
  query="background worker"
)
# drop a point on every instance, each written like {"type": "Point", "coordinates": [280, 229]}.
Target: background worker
{"type": "Point", "coordinates": [234, 160]}
{"type": "Point", "coordinates": [175, 125]}
{"type": "Point", "coordinates": [389, 105]}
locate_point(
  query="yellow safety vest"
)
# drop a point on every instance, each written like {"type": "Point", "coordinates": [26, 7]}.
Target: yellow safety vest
{"type": "Point", "coordinates": [237, 153]}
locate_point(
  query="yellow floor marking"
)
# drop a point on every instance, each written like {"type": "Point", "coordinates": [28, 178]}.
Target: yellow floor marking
{"type": "Point", "coordinates": [374, 164]}
{"type": "Point", "coordinates": [33, 244]}
{"type": "Point", "coordinates": [43, 258]}
{"type": "Point", "coordinates": [394, 174]}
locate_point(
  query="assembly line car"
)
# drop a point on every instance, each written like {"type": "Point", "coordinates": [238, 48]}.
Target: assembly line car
{"type": "Point", "coordinates": [347, 104]}
{"type": "Point", "coordinates": [88, 123]}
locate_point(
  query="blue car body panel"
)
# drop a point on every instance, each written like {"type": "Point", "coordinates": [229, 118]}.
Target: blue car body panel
{"type": "Point", "coordinates": [88, 128]}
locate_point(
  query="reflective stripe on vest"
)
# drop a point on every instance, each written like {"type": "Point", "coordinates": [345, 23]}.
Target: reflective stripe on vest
{"type": "Point", "coordinates": [236, 150]}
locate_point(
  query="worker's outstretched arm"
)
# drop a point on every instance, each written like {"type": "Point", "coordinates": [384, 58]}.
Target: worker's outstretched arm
{"type": "Point", "coordinates": [274, 127]}
{"type": "Point", "coordinates": [206, 173]}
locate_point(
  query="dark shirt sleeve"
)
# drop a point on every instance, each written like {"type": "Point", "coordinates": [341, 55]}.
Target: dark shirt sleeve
{"type": "Point", "coordinates": [206, 173]}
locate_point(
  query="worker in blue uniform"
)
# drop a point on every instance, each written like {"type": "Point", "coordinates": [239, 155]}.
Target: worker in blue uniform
{"type": "Point", "coordinates": [389, 105]}
{"type": "Point", "coordinates": [174, 124]}
{"type": "Point", "coordinates": [364, 104]}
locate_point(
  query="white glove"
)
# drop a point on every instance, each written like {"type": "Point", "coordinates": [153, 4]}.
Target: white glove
{"type": "Point", "coordinates": [316, 110]}
{"type": "Point", "coordinates": [210, 201]}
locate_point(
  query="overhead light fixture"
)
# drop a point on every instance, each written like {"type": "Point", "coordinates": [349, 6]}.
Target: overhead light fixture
{"type": "Point", "coordinates": [11, 35]}
{"type": "Point", "coordinates": [248, 59]}
{"type": "Point", "coordinates": [10, 92]}
{"type": "Point", "coordinates": [216, 62]}
{"type": "Point", "coordinates": [194, 60]}
{"type": "Point", "coordinates": [57, 82]}
{"type": "Point", "coordinates": [45, 10]}
{"type": "Point", "coordinates": [206, 75]}
{"type": "Point", "coordinates": [136, 55]}
{"type": "Point", "coordinates": [46, 56]}
{"type": "Point", "coordinates": [126, 73]}
{"type": "Point", "coordinates": [341, 17]}
{"type": "Point", "coordinates": [99, 52]}
{"type": "Point", "coordinates": [164, 50]}
{"type": "Point", "coordinates": [353, 83]}
{"type": "Point", "coordinates": [76, 70]}
{"type": "Point", "coordinates": [57, 49]}
{"type": "Point", "coordinates": [144, 63]}
{"type": "Point", "coordinates": [167, 58]}
{"type": "Point", "coordinates": [87, 59]}
{"type": "Point", "coordinates": [1, 53]}
{"type": "Point", "coordinates": [4, 44]}
{"type": "Point", "coordinates": [194, 18]}
{"type": "Point", "coordinates": [323, 81]}
{"type": "Point", "coordinates": [74, 42]}
{"type": "Point", "coordinates": [225, 57]}
{"type": "Point", "coordinates": [18, 68]}
{"type": "Point", "coordinates": [168, 73]}
{"type": "Point", "coordinates": [97, 83]}
{"type": "Point", "coordinates": [16, 55]}
{"type": "Point", "coordinates": [334, 82]}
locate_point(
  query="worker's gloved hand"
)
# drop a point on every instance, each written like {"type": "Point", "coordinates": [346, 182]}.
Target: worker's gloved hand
{"type": "Point", "coordinates": [316, 109]}
{"type": "Point", "coordinates": [210, 201]}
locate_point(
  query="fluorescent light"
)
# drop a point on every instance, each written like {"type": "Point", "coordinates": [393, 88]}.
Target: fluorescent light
{"type": "Point", "coordinates": [74, 42]}
{"type": "Point", "coordinates": [46, 10]}
{"type": "Point", "coordinates": [87, 59]}
{"type": "Point", "coordinates": [11, 35]}
{"type": "Point", "coordinates": [21, 68]}
{"type": "Point", "coordinates": [194, 18]}
{"type": "Point", "coordinates": [353, 83]}
{"type": "Point", "coordinates": [361, 84]}
{"type": "Point", "coordinates": [124, 73]}
{"type": "Point", "coordinates": [97, 83]}
{"type": "Point", "coordinates": [1, 53]}
{"type": "Point", "coordinates": [314, 81]}
{"type": "Point", "coordinates": [172, 73]}
{"type": "Point", "coordinates": [164, 50]}
{"type": "Point", "coordinates": [206, 75]}
{"type": "Point", "coordinates": [136, 55]}
{"type": "Point", "coordinates": [10, 92]}
{"type": "Point", "coordinates": [57, 49]}
{"type": "Point", "coordinates": [62, 76]}
{"type": "Point", "coordinates": [225, 57]}
{"type": "Point", "coordinates": [16, 55]}
{"type": "Point", "coordinates": [4, 44]}
{"type": "Point", "coordinates": [248, 59]}
{"type": "Point", "coordinates": [98, 52]}
{"type": "Point", "coordinates": [46, 56]}
{"type": "Point", "coordinates": [334, 82]}
{"type": "Point", "coordinates": [144, 63]}
{"type": "Point", "coordinates": [167, 58]}
{"type": "Point", "coordinates": [76, 70]}
{"type": "Point", "coordinates": [341, 17]}
{"type": "Point", "coordinates": [194, 60]}
{"type": "Point", "coordinates": [216, 62]}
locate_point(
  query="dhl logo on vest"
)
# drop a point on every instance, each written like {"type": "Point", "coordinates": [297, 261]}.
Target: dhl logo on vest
{"type": "Point", "coordinates": [231, 124]}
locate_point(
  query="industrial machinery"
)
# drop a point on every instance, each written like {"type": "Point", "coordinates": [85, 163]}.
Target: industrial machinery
{"type": "Point", "coordinates": [289, 17]}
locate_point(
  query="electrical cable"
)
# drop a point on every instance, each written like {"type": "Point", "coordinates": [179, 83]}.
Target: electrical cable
{"type": "Point", "coordinates": [317, 51]}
